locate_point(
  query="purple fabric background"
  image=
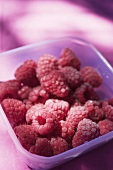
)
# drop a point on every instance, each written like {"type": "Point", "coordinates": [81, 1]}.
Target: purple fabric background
{"type": "Point", "coordinates": [24, 22]}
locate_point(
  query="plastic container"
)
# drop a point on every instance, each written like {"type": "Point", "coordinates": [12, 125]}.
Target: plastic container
{"type": "Point", "coordinates": [88, 55]}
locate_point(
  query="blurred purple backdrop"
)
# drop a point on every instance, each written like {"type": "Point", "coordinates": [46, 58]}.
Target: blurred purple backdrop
{"type": "Point", "coordinates": [24, 22]}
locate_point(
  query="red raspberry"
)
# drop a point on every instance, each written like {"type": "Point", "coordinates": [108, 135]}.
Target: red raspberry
{"type": "Point", "coordinates": [26, 73]}
{"type": "Point", "coordinates": [73, 76]}
{"type": "Point", "coordinates": [42, 147]}
{"type": "Point", "coordinates": [59, 107]}
{"type": "Point", "coordinates": [26, 135]}
{"type": "Point", "coordinates": [86, 92]}
{"type": "Point", "coordinates": [86, 131]}
{"type": "Point", "coordinates": [105, 126]}
{"type": "Point", "coordinates": [15, 111]}
{"type": "Point", "coordinates": [32, 112]}
{"type": "Point", "coordinates": [44, 122]}
{"type": "Point", "coordinates": [68, 58]}
{"type": "Point", "coordinates": [66, 130]}
{"type": "Point", "coordinates": [76, 114]}
{"type": "Point", "coordinates": [59, 145]}
{"type": "Point", "coordinates": [108, 110]}
{"type": "Point", "coordinates": [91, 75]}
{"type": "Point", "coordinates": [54, 83]}
{"type": "Point", "coordinates": [23, 93]}
{"type": "Point", "coordinates": [38, 94]}
{"type": "Point", "coordinates": [95, 111]}
{"type": "Point", "coordinates": [46, 64]}
{"type": "Point", "coordinates": [9, 89]}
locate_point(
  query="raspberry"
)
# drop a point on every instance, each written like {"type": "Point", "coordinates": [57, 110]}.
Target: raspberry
{"type": "Point", "coordinates": [66, 130]}
{"type": "Point", "coordinates": [26, 73]}
{"type": "Point", "coordinates": [91, 76]}
{"type": "Point", "coordinates": [73, 76]}
{"type": "Point", "coordinates": [55, 84]}
{"type": "Point", "coordinates": [42, 147]}
{"type": "Point", "coordinates": [105, 126]}
{"type": "Point", "coordinates": [46, 64]}
{"type": "Point", "coordinates": [9, 89]}
{"type": "Point", "coordinates": [38, 94]}
{"type": "Point", "coordinates": [26, 135]}
{"type": "Point", "coordinates": [44, 122]}
{"type": "Point", "coordinates": [59, 145]}
{"type": "Point", "coordinates": [85, 92]}
{"type": "Point", "coordinates": [15, 111]}
{"type": "Point", "coordinates": [60, 107]}
{"type": "Point", "coordinates": [76, 114]}
{"type": "Point", "coordinates": [68, 58]}
{"type": "Point", "coordinates": [23, 93]}
{"type": "Point", "coordinates": [32, 112]}
{"type": "Point", "coordinates": [95, 111]}
{"type": "Point", "coordinates": [108, 110]}
{"type": "Point", "coordinates": [86, 131]}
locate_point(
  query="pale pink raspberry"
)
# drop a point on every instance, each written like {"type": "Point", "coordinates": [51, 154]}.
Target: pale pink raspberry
{"type": "Point", "coordinates": [46, 64]}
{"type": "Point", "coordinates": [44, 122]}
{"type": "Point", "coordinates": [76, 114]}
{"type": "Point", "coordinates": [33, 111]}
{"type": "Point", "coordinates": [86, 131]}
{"type": "Point", "coordinates": [60, 107]}
{"type": "Point", "coordinates": [55, 83]}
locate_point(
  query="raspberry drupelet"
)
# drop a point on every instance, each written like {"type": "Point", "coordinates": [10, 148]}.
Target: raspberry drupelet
{"type": "Point", "coordinates": [15, 111]}
{"type": "Point", "coordinates": [26, 73]}
{"type": "Point", "coordinates": [68, 58]}
{"type": "Point", "coordinates": [86, 131]}
{"type": "Point", "coordinates": [55, 83]}
{"type": "Point", "coordinates": [42, 147]}
{"type": "Point", "coordinates": [26, 135]}
{"type": "Point", "coordinates": [73, 76]}
{"type": "Point", "coordinates": [45, 65]}
{"type": "Point", "coordinates": [91, 75]}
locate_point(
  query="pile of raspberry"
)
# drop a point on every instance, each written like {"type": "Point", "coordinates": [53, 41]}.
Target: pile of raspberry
{"type": "Point", "coordinates": [53, 106]}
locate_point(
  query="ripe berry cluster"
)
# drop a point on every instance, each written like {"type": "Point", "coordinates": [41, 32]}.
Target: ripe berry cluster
{"type": "Point", "coordinates": [52, 104]}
